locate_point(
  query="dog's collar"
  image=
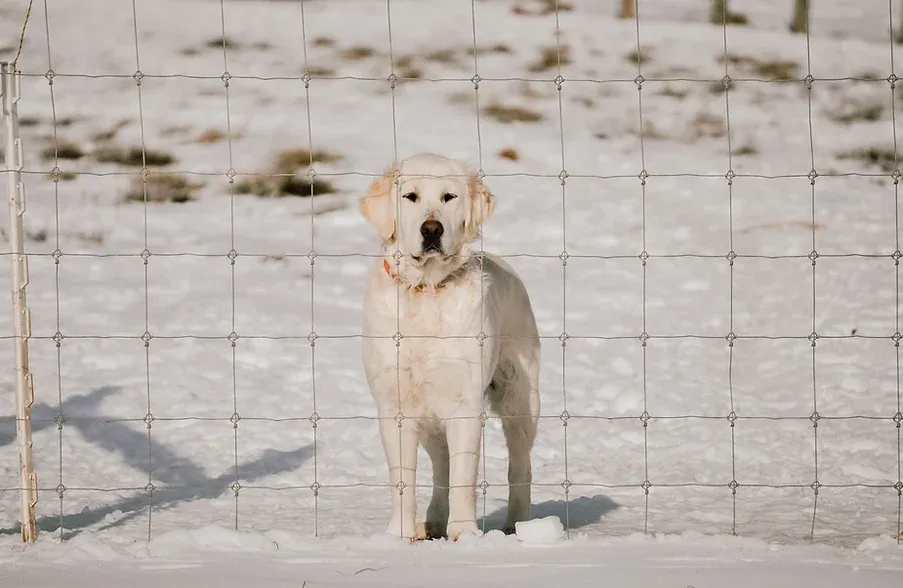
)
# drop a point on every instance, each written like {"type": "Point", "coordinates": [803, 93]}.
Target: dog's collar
{"type": "Point", "coordinates": [422, 287]}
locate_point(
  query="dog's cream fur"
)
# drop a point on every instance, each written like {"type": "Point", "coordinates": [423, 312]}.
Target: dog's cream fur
{"type": "Point", "coordinates": [444, 330]}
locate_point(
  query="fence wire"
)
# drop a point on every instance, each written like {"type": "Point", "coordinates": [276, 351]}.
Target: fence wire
{"type": "Point", "coordinates": [319, 330]}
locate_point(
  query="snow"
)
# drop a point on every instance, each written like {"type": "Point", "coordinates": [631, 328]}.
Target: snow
{"type": "Point", "coordinates": [241, 436]}
{"type": "Point", "coordinates": [544, 530]}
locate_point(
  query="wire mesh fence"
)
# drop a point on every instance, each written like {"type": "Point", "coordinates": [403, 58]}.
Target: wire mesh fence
{"type": "Point", "coordinates": [254, 411]}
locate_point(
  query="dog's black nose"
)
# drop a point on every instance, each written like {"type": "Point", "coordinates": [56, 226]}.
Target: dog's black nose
{"type": "Point", "coordinates": [432, 232]}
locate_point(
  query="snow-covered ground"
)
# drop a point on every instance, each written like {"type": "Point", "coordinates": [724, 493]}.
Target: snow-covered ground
{"type": "Point", "coordinates": [231, 439]}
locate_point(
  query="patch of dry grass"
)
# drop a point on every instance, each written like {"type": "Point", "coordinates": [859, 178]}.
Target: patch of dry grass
{"type": "Point", "coordinates": [442, 56]}
{"type": "Point", "coordinates": [672, 92]}
{"type": "Point", "coordinates": [498, 48]}
{"type": "Point", "coordinates": [510, 114]}
{"type": "Point", "coordinates": [551, 58]}
{"type": "Point", "coordinates": [770, 69]}
{"type": "Point", "coordinates": [881, 157]}
{"type": "Point", "coordinates": [133, 156]}
{"type": "Point", "coordinates": [220, 42]}
{"type": "Point", "coordinates": [109, 134]}
{"type": "Point", "coordinates": [163, 188]}
{"type": "Point", "coordinates": [853, 112]}
{"type": "Point", "coordinates": [289, 160]}
{"type": "Point", "coordinates": [707, 126]}
{"type": "Point", "coordinates": [358, 53]}
{"type": "Point", "coordinates": [640, 56]}
{"type": "Point", "coordinates": [211, 136]}
{"type": "Point", "coordinates": [746, 149]}
{"type": "Point", "coordinates": [509, 153]}
{"type": "Point", "coordinates": [323, 42]}
{"type": "Point", "coordinates": [320, 72]}
{"type": "Point", "coordinates": [542, 8]}
{"type": "Point", "coordinates": [63, 150]}
{"type": "Point", "coordinates": [284, 185]}
{"type": "Point", "coordinates": [285, 181]}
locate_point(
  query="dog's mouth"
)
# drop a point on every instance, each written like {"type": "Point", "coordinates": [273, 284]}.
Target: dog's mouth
{"type": "Point", "coordinates": [428, 253]}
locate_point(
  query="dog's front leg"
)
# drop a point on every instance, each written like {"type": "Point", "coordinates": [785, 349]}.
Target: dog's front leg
{"type": "Point", "coordinates": [464, 434]}
{"type": "Point", "coordinates": [399, 437]}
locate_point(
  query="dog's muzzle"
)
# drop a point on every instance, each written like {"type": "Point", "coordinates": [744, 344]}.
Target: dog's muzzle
{"type": "Point", "coordinates": [431, 231]}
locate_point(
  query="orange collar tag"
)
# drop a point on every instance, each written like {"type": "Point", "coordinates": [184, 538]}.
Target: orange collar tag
{"type": "Point", "coordinates": [387, 267]}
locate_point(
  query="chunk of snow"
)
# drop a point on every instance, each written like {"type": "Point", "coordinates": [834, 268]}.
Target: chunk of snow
{"type": "Point", "coordinates": [538, 531]}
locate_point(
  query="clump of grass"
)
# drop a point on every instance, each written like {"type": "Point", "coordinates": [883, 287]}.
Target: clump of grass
{"type": "Point", "coordinates": [323, 42]}
{"type": "Point", "coordinates": [189, 51]}
{"type": "Point", "coordinates": [640, 56]}
{"type": "Point", "coordinates": [746, 149]}
{"type": "Point", "coordinates": [406, 69]}
{"type": "Point", "coordinates": [497, 48]}
{"type": "Point", "coordinates": [319, 72]}
{"type": "Point", "coordinates": [545, 7]}
{"type": "Point", "coordinates": [133, 156]}
{"type": "Point", "coordinates": [509, 153]}
{"type": "Point", "coordinates": [778, 69]}
{"type": "Point", "coordinates": [220, 42]}
{"type": "Point", "coordinates": [868, 76]}
{"type": "Point", "coordinates": [285, 181]}
{"type": "Point", "coordinates": [881, 157]}
{"type": "Point", "coordinates": [705, 125]}
{"type": "Point", "coordinates": [510, 114]}
{"type": "Point", "coordinates": [672, 92]}
{"type": "Point", "coordinates": [722, 17]}
{"type": "Point", "coordinates": [442, 56]}
{"type": "Point", "coordinates": [771, 69]}
{"type": "Point", "coordinates": [551, 57]}
{"type": "Point", "coordinates": [211, 136]}
{"type": "Point", "coordinates": [284, 185]}
{"type": "Point", "coordinates": [163, 188]}
{"type": "Point", "coordinates": [357, 53]}
{"type": "Point", "coordinates": [860, 112]}
{"type": "Point", "coordinates": [109, 134]}
{"type": "Point", "coordinates": [289, 160]}
{"type": "Point", "coordinates": [62, 150]}
{"type": "Point", "coordinates": [29, 121]}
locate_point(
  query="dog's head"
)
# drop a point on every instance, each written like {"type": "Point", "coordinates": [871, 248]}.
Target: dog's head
{"type": "Point", "coordinates": [430, 208]}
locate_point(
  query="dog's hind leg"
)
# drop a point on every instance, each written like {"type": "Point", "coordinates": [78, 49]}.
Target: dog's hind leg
{"type": "Point", "coordinates": [517, 402]}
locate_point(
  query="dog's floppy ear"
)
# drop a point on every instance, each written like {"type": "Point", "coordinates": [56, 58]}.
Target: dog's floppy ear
{"type": "Point", "coordinates": [376, 205]}
{"type": "Point", "coordinates": [481, 205]}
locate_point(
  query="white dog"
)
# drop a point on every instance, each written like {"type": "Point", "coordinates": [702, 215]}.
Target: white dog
{"type": "Point", "coordinates": [445, 328]}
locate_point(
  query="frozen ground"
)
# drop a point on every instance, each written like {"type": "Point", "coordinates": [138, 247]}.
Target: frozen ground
{"type": "Point", "coordinates": [111, 481]}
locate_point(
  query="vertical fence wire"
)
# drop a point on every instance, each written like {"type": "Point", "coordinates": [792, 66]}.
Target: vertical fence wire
{"type": "Point", "coordinates": [397, 255]}
{"type": "Point", "coordinates": [60, 418]}
{"type": "Point", "coordinates": [232, 256]}
{"type": "Point", "coordinates": [813, 256]}
{"type": "Point", "coordinates": [731, 257]}
{"type": "Point", "coordinates": [149, 418]}
{"type": "Point", "coordinates": [562, 176]}
{"type": "Point", "coordinates": [312, 337]}
{"type": "Point", "coordinates": [898, 416]}
{"type": "Point", "coordinates": [484, 483]}
{"type": "Point", "coordinates": [644, 257]}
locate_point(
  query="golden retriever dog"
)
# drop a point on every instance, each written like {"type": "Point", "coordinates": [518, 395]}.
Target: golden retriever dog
{"type": "Point", "coordinates": [445, 329]}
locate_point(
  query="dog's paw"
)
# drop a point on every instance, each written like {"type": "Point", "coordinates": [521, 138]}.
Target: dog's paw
{"type": "Point", "coordinates": [427, 531]}
{"type": "Point", "coordinates": [458, 530]}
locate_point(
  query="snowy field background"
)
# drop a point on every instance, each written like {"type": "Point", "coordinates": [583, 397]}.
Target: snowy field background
{"type": "Point", "coordinates": [231, 439]}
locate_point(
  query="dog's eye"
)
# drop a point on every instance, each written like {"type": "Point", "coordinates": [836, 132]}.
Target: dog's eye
{"type": "Point", "coordinates": [411, 196]}
{"type": "Point", "coordinates": [448, 197]}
